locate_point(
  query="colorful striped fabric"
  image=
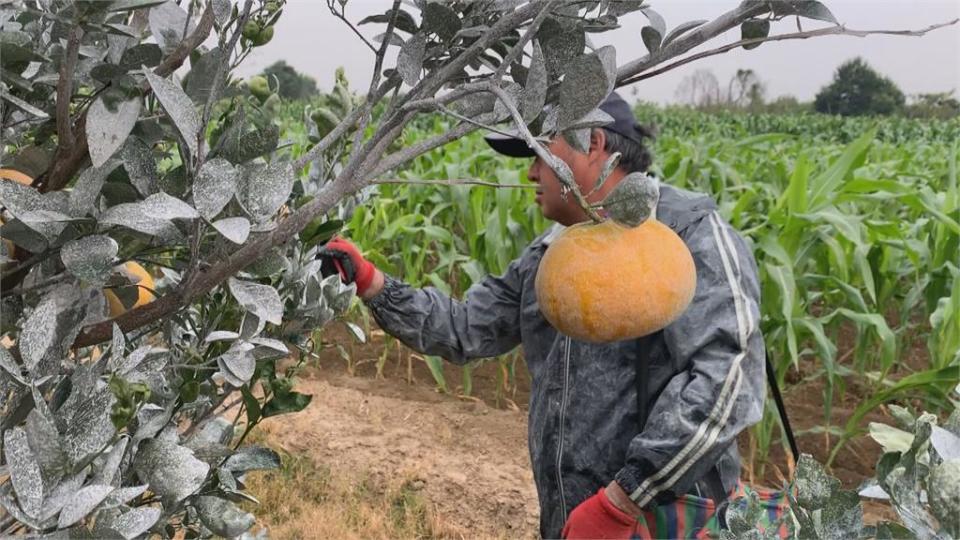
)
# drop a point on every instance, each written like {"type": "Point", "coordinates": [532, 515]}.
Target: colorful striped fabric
{"type": "Point", "coordinates": [694, 517]}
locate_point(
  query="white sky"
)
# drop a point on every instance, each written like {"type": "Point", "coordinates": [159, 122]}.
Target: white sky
{"type": "Point", "coordinates": [314, 42]}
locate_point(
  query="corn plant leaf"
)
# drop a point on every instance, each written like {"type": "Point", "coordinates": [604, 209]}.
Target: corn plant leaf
{"type": "Point", "coordinates": [754, 29]}
{"type": "Point", "coordinates": [535, 86]}
{"type": "Point", "coordinates": [24, 471]}
{"type": "Point", "coordinates": [82, 503]}
{"type": "Point", "coordinates": [410, 59]}
{"type": "Point", "coordinates": [588, 81]}
{"type": "Point", "coordinates": [252, 458]}
{"type": "Point", "coordinates": [109, 124]}
{"type": "Point", "coordinates": [235, 229]}
{"type": "Point", "coordinates": [223, 517]}
{"type": "Point", "coordinates": [214, 187]}
{"type": "Point", "coordinates": [262, 300]}
{"type": "Point", "coordinates": [178, 107]}
{"type": "Point", "coordinates": [264, 189]}
{"type": "Point", "coordinates": [171, 470]}
{"type": "Point", "coordinates": [90, 258]}
{"type": "Point", "coordinates": [653, 34]}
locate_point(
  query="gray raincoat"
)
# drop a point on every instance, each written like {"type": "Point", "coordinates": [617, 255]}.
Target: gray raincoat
{"type": "Point", "coordinates": [659, 414]}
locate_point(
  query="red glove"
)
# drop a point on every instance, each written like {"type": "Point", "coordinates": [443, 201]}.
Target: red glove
{"type": "Point", "coordinates": [341, 256]}
{"type": "Point", "coordinates": [597, 517]}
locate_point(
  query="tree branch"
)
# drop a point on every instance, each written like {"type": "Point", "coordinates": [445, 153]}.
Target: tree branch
{"type": "Point", "coordinates": [65, 90]}
{"type": "Point", "coordinates": [517, 49]}
{"type": "Point", "coordinates": [397, 159]}
{"type": "Point", "coordinates": [342, 17]}
{"type": "Point", "coordinates": [453, 182]}
{"type": "Point", "coordinates": [829, 31]}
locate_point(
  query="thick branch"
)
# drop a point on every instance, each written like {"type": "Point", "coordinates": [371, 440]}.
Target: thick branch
{"type": "Point", "coordinates": [453, 182]}
{"type": "Point", "coordinates": [65, 90]}
{"type": "Point", "coordinates": [66, 164]}
{"type": "Point", "coordinates": [829, 31]}
{"type": "Point", "coordinates": [698, 36]}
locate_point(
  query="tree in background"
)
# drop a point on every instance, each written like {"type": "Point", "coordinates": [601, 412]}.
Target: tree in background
{"type": "Point", "coordinates": [940, 105]}
{"type": "Point", "coordinates": [858, 90]}
{"type": "Point", "coordinates": [288, 82]}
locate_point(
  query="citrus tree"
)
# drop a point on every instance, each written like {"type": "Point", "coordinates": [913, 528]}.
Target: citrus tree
{"type": "Point", "coordinates": [158, 254]}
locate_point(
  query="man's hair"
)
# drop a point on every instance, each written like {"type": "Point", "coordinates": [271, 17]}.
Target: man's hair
{"type": "Point", "coordinates": [634, 156]}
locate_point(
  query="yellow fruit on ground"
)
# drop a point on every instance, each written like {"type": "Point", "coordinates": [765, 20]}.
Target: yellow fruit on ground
{"type": "Point", "coordinates": [136, 274]}
{"type": "Point", "coordinates": [16, 176]}
{"type": "Point", "coordinates": [609, 282]}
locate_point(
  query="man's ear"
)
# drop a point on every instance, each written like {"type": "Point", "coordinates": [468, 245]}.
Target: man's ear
{"type": "Point", "coordinates": [598, 141]}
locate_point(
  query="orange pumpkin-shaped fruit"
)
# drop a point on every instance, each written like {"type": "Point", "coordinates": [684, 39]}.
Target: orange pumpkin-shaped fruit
{"type": "Point", "coordinates": [144, 281]}
{"type": "Point", "coordinates": [616, 280]}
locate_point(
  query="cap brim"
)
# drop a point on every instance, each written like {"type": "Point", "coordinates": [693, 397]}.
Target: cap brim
{"type": "Point", "coordinates": [509, 146]}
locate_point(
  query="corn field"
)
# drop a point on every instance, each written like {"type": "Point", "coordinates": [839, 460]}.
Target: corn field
{"type": "Point", "coordinates": [855, 225]}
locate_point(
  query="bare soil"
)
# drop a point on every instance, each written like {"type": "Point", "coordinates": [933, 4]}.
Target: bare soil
{"type": "Point", "coordinates": [468, 456]}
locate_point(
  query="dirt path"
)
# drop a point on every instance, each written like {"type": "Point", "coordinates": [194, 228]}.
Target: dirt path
{"type": "Point", "coordinates": [469, 460]}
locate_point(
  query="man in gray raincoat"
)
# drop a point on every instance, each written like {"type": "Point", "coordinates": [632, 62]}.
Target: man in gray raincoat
{"type": "Point", "coordinates": [616, 430]}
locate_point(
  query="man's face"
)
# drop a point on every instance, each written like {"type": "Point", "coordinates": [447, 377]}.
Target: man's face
{"type": "Point", "coordinates": [586, 168]}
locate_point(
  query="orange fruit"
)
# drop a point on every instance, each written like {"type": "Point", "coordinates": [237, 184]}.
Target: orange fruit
{"type": "Point", "coordinates": [16, 176]}
{"type": "Point", "coordinates": [609, 282]}
{"type": "Point", "coordinates": [144, 281]}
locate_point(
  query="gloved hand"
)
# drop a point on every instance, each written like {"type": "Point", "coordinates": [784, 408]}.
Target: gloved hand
{"type": "Point", "coordinates": [597, 517]}
{"type": "Point", "coordinates": [342, 257]}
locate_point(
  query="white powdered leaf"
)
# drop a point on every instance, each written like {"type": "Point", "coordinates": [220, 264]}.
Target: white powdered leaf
{"type": "Point", "coordinates": [221, 11]}
{"type": "Point", "coordinates": [535, 90]}
{"type": "Point", "coordinates": [170, 469]}
{"type": "Point", "coordinates": [945, 443]}
{"type": "Point", "coordinates": [237, 365]}
{"type": "Point", "coordinates": [107, 474]}
{"type": "Point", "coordinates": [90, 427]}
{"type": "Point", "coordinates": [167, 22]}
{"type": "Point", "coordinates": [141, 168]}
{"type": "Point", "coordinates": [108, 129]}
{"type": "Point", "coordinates": [81, 504]}
{"type": "Point", "coordinates": [410, 59]}
{"type": "Point", "coordinates": [90, 258]}
{"type": "Point", "coordinates": [118, 345]}
{"type": "Point", "coordinates": [39, 332]}
{"type": "Point", "coordinates": [585, 85]}
{"type": "Point", "coordinates": [8, 364]}
{"type": "Point", "coordinates": [223, 517]}
{"type": "Point", "coordinates": [270, 343]}
{"type": "Point", "coordinates": [130, 215]}
{"type": "Point", "coordinates": [221, 335]}
{"type": "Point", "coordinates": [24, 471]}
{"type": "Point", "coordinates": [214, 187]}
{"type": "Point", "coordinates": [163, 206]}
{"type": "Point", "coordinates": [85, 191]}
{"type": "Point", "coordinates": [44, 439]}
{"type": "Point", "coordinates": [262, 300]}
{"type": "Point", "coordinates": [252, 458]}
{"type": "Point", "coordinates": [264, 189]}
{"type": "Point", "coordinates": [235, 229]}
{"type": "Point", "coordinates": [178, 106]}
{"type": "Point", "coordinates": [135, 522]}
{"type": "Point", "coordinates": [123, 495]}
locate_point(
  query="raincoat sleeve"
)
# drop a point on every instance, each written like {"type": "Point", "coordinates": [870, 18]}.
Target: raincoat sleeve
{"type": "Point", "coordinates": [719, 388]}
{"type": "Point", "coordinates": [485, 323]}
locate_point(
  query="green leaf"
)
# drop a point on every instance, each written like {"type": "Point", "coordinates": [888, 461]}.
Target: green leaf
{"type": "Point", "coordinates": [250, 145]}
{"type": "Point", "coordinates": [435, 365]}
{"type": "Point", "coordinates": [826, 184]}
{"type": "Point", "coordinates": [252, 405]}
{"type": "Point", "coordinates": [286, 402]}
{"type": "Point", "coordinates": [754, 29]}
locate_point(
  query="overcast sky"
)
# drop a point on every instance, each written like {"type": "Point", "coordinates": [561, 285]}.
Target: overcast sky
{"type": "Point", "coordinates": [314, 42]}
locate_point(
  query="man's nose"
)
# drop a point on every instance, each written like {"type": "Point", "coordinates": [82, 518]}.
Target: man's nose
{"type": "Point", "coordinates": [533, 172]}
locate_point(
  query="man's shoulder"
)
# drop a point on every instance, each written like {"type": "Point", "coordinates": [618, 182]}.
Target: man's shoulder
{"type": "Point", "coordinates": [679, 208]}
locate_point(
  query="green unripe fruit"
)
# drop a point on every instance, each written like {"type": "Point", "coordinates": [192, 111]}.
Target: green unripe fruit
{"type": "Point", "coordinates": [251, 29]}
{"type": "Point", "coordinates": [272, 7]}
{"type": "Point", "coordinates": [325, 119]}
{"type": "Point", "coordinates": [264, 37]}
{"type": "Point", "coordinates": [272, 103]}
{"type": "Point", "coordinates": [259, 87]}
{"type": "Point", "coordinates": [343, 99]}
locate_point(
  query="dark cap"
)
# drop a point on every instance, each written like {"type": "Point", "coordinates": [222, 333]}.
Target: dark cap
{"type": "Point", "coordinates": [624, 123]}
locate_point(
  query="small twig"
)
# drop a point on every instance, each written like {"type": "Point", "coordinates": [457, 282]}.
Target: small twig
{"type": "Point", "coordinates": [517, 49]}
{"type": "Point", "coordinates": [829, 31]}
{"type": "Point", "coordinates": [343, 18]}
{"type": "Point", "coordinates": [375, 78]}
{"type": "Point", "coordinates": [422, 147]}
{"type": "Point", "coordinates": [453, 182]}
{"type": "Point", "coordinates": [462, 118]}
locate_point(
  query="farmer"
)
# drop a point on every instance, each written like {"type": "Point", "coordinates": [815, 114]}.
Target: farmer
{"type": "Point", "coordinates": [624, 437]}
